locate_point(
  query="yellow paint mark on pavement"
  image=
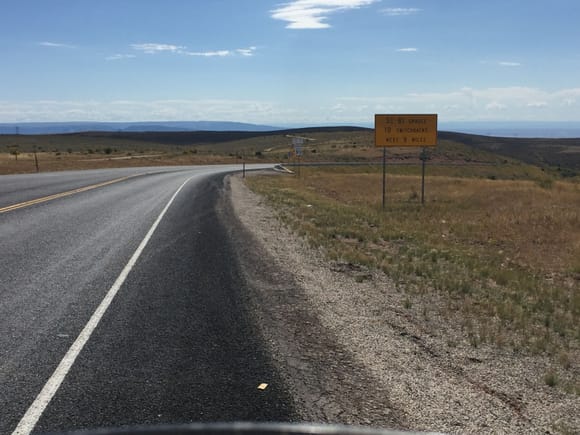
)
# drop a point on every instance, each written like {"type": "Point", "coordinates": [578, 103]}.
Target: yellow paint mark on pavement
{"type": "Point", "coordinates": [262, 386]}
{"type": "Point", "coordinates": [61, 195]}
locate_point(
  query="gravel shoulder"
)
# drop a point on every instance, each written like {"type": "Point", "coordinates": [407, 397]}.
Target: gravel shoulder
{"type": "Point", "coordinates": [355, 349]}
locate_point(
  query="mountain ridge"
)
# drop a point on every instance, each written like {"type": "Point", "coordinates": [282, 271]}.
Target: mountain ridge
{"type": "Point", "coordinates": [41, 128]}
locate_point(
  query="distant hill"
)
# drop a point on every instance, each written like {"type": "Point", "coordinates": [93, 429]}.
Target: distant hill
{"type": "Point", "coordinates": [503, 129]}
{"type": "Point", "coordinates": [209, 136]}
{"type": "Point", "coordinates": [557, 153]}
{"type": "Point", "coordinates": [564, 153]}
{"type": "Point", "coordinates": [169, 126]}
{"type": "Point", "coordinates": [536, 129]}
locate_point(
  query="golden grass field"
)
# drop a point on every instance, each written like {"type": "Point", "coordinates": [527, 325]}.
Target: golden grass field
{"type": "Point", "coordinates": [57, 152]}
{"type": "Point", "coordinates": [504, 253]}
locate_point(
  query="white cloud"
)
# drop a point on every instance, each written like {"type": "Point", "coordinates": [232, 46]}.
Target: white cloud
{"type": "Point", "coordinates": [569, 102]}
{"type": "Point", "coordinates": [339, 108]}
{"type": "Point", "coordinates": [55, 45]}
{"type": "Point", "coordinates": [248, 52]}
{"type": "Point", "coordinates": [120, 56]}
{"type": "Point", "coordinates": [217, 53]}
{"type": "Point", "coordinates": [133, 111]}
{"type": "Point", "coordinates": [407, 50]}
{"type": "Point", "coordinates": [569, 93]}
{"type": "Point", "coordinates": [313, 14]}
{"type": "Point", "coordinates": [152, 48]}
{"type": "Point", "coordinates": [498, 104]}
{"type": "Point", "coordinates": [461, 104]}
{"type": "Point", "coordinates": [494, 105]}
{"type": "Point", "coordinates": [396, 12]}
{"type": "Point", "coordinates": [510, 64]}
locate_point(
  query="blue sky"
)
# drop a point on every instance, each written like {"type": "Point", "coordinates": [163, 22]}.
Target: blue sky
{"type": "Point", "coordinates": [276, 62]}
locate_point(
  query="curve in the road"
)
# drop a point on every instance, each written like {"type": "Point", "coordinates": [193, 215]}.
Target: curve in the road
{"type": "Point", "coordinates": [177, 345]}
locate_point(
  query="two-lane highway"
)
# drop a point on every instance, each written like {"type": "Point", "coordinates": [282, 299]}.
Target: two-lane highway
{"type": "Point", "coordinates": [15, 189]}
{"type": "Point", "coordinates": [124, 304]}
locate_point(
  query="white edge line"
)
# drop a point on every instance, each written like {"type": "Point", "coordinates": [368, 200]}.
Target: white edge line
{"type": "Point", "coordinates": [35, 411]}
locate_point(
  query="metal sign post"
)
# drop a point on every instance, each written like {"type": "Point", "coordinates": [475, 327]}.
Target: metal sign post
{"type": "Point", "coordinates": [297, 148]}
{"type": "Point", "coordinates": [424, 158]}
{"type": "Point", "coordinates": [384, 175]}
{"type": "Point", "coordinates": [297, 142]}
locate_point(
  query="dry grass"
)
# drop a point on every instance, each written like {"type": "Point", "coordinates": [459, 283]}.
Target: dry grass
{"type": "Point", "coordinates": [336, 145]}
{"type": "Point", "coordinates": [506, 254]}
{"type": "Point", "coordinates": [61, 161]}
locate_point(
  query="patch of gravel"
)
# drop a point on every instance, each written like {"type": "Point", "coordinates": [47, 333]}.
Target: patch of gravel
{"type": "Point", "coordinates": [355, 349]}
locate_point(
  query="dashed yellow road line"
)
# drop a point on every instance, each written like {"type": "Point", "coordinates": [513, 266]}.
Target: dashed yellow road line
{"type": "Point", "coordinates": [61, 195]}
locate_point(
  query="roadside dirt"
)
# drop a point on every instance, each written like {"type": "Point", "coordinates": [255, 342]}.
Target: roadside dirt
{"type": "Point", "coordinates": [355, 349]}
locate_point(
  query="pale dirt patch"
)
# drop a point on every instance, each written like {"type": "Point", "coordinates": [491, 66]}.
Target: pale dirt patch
{"type": "Point", "coordinates": [355, 349]}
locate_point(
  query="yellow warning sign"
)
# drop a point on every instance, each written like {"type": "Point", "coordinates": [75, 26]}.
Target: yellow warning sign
{"type": "Point", "coordinates": [405, 130]}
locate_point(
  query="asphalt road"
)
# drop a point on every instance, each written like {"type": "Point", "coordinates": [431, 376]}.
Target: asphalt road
{"type": "Point", "coordinates": [176, 343]}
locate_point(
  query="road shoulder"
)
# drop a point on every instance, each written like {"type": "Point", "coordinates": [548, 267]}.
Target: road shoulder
{"type": "Point", "coordinates": [352, 350]}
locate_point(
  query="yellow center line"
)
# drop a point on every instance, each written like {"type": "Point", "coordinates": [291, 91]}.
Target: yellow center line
{"type": "Point", "coordinates": [61, 195]}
